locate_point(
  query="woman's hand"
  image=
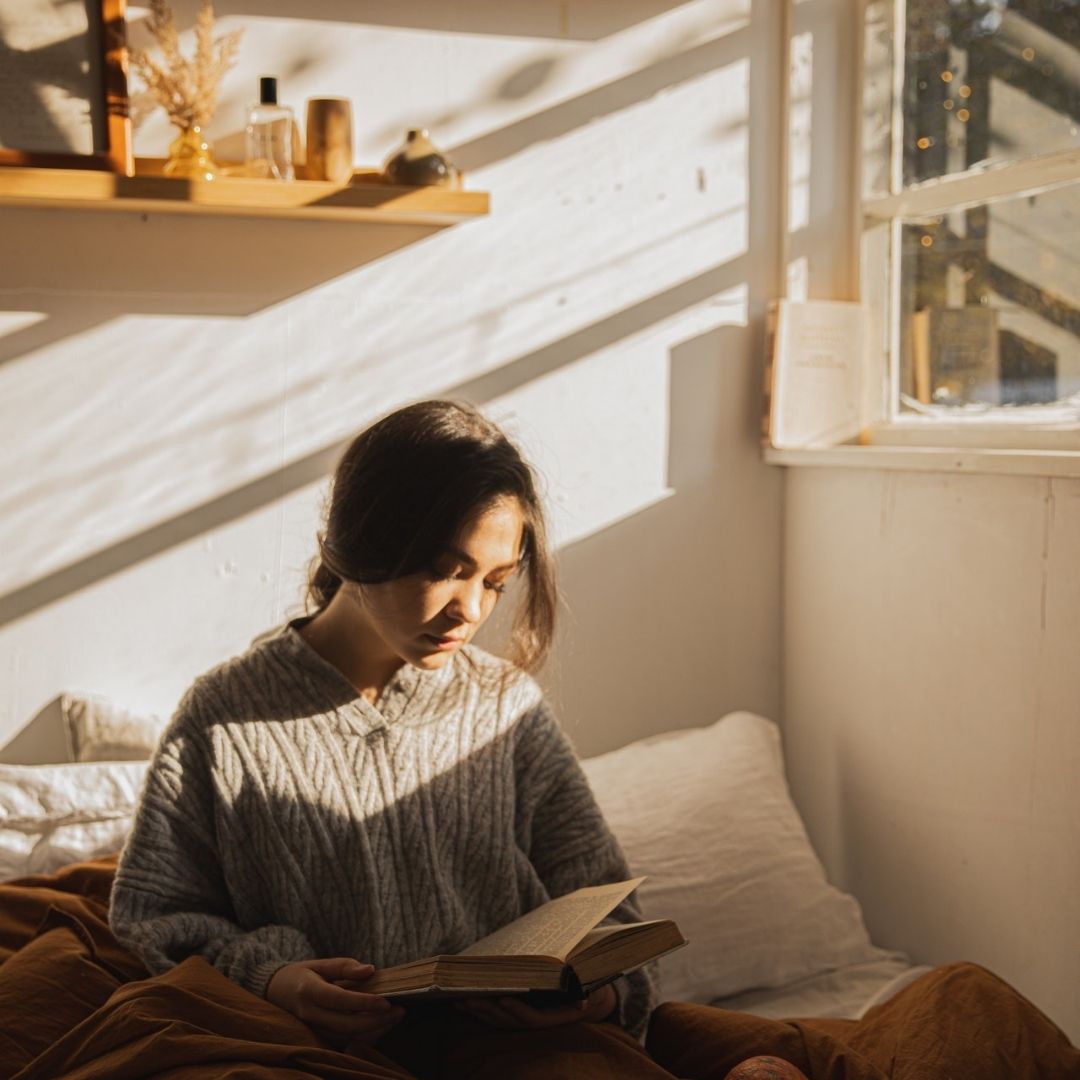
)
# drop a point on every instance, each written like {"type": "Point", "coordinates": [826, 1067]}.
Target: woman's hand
{"type": "Point", "coordinates": [308, 989]}
{"type": "Point", "coordinates": [512, 1012]}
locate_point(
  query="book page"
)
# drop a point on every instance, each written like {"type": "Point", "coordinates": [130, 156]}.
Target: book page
{"type": "Point", "coordinates": [817, 366]}
{"type": "Point", "coordinates": [554, 928]}
{"type": "Point", "coordinates": [597, 935]}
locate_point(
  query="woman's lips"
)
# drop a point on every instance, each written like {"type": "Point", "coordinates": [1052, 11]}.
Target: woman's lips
{"type": "Point", "coordinates": [444, 641]}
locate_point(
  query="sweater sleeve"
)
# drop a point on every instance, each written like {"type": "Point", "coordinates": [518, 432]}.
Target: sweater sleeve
{"type": "Point", "coordinates": [170, 900]}
{"type": "Point", "coordinates": [570, 844]}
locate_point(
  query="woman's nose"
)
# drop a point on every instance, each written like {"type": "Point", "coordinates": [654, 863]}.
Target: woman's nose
{"type": "Point", "coordinates": [467, 602]}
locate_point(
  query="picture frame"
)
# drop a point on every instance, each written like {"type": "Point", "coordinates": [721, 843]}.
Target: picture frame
{"type": "Point", "coordinates": [63, 85]}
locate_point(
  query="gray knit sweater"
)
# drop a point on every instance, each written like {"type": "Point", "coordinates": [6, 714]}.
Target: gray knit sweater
{"type": "Point", "coordinates": [286, 818]}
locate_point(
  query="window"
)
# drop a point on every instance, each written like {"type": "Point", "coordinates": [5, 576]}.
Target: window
{"type": "Point", "coordinates": [970, 249]}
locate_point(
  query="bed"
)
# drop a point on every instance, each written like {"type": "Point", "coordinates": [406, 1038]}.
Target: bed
{"type": "Point", "coordinates": [705, 814]}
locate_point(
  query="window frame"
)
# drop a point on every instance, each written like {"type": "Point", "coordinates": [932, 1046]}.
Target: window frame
{"type": "Point", "coordinates": [876, 244]}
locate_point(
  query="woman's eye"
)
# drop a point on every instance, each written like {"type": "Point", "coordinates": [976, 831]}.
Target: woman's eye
{"type": "Point", "coordinates": [496, 587]}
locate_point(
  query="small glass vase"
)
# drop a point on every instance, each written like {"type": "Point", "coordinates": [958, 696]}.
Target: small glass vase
{"type": "Point", "coordinates": [191, 157]}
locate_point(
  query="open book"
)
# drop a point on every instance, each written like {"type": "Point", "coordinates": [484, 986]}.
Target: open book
{"type": "Point", "coordinates": [558, 947]}
{"type": "Point", "coordinates": [814, 359]}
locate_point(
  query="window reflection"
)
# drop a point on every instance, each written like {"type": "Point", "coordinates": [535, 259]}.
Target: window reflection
{"type": "Point", "coordinates": [988, 81]}
{"type": "Point", "coordinates": [990, 300]}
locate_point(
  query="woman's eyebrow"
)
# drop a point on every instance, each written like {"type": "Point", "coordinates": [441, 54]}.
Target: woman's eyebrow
{"type": "Point", "coordinates": [457, 553]}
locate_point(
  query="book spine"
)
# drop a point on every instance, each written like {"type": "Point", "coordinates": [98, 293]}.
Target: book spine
{"type": "Point", "coordinates": [772, 319]}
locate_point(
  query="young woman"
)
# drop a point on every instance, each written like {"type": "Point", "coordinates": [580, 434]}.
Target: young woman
{"type": "Point", "coordinates": [364, 787]}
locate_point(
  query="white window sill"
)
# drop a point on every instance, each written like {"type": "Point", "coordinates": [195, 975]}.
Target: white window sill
{"type": "Point", "coordinates": [933, 459]}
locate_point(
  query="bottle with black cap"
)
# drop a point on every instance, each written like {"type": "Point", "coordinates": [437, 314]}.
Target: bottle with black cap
{"type": "Point", "coordinates": [269, 136]}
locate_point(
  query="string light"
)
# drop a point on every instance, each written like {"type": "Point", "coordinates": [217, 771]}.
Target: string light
{"type": "Point", "coordinates": [946, 76]}
{"type": "Point", "coordinates": [924, 143]}
{"type": "Point", "coordinates": [965, 91]}
{"type": "Point", "coordinates": [926, 241]}
{"type": "Point", "coordinates": [1029, 53]}
{"type": "Point", "coordinates": [963, 116]}
{"type": "Point", "coordinates": [948, 103]}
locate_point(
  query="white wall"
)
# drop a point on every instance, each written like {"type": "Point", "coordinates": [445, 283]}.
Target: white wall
{"type": "Point", "coordinates": [173, 391]}
{"type": "Point", "coordinates": [932, 627]}
{"type": "Point", "coordinates": [931, 635]}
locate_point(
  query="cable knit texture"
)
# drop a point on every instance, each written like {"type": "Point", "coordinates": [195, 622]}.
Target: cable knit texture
{"type": "Point", "coordinates": [285, 818]}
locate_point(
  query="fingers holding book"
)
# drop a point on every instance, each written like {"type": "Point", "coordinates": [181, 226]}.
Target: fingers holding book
{"type": "Point", "coordinates": [310, 990]}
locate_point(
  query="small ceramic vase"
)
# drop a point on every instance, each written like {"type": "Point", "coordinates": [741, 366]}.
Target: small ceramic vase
{"type": "Point", "coordinates": [329, 139]}
{"type": "Point", "coordinates": [190, 156]}
{"type": "Point", "coordinates": [418, 164]}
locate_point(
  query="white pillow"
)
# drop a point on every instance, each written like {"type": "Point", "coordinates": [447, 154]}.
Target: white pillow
{"type": "Point", "coordinates": [51, 815]}
{"type": "Point", "coordinates": [98, 730]}
{"type": "Point", "coordinates": [707, 816]}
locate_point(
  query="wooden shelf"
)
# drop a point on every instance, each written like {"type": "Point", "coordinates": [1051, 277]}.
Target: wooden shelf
{"type": "Point", "coordinates": [364, 199]}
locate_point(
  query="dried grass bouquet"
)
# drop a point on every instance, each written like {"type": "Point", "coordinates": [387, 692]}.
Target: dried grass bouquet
{"type": "Point", "coordinates": [186, 89]}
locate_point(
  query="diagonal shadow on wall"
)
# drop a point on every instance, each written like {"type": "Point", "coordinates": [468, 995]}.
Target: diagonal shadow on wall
{"type": "Point", "coordinates": [315, 466]}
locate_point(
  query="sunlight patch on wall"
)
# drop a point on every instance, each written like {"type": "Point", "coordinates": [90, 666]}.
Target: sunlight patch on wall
{"type": "Point", "coordinates": [158, 414]}
{"type": "Point", "coordinates": [545, 79]}
{"type": "Point", "coordinates": [798, 278]}
{"type": "Point", "coordinates": [140, 636]}
{"type": "Point", "coordinates": [584, 229]}
{"type": "Point", "coordinates": [11, 322]}
{"type": "Point", "coordinates": [800, 133]}
{"type": "Point", "coordinates": [597, 430]}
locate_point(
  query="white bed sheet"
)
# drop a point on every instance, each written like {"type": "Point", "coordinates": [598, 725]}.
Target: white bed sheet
{"type": "Point", "coordinates": [843, 993]}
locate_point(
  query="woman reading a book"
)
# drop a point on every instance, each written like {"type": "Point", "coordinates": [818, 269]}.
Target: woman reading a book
{"type": "Point", "coordinates": [363, 787]}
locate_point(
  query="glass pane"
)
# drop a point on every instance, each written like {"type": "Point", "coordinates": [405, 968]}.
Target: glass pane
{"type": "Point", "coordinates": [988, 81]}
{"type": "Point", "coordinates": [877, 97]}
{"type": "Point", "coordinates": [990, 305]}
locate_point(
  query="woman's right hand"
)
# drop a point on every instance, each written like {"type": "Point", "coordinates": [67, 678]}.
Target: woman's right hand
{"type": "Point", "coordinates": [308, 989]}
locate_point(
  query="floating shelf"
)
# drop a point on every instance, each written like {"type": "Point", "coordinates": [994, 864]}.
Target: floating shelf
{"type": "Point", "coordinates": [363, 199]}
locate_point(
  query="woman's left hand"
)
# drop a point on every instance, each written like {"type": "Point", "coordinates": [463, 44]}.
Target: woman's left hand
{"type": "Point", "coordinates": [512, 1012]}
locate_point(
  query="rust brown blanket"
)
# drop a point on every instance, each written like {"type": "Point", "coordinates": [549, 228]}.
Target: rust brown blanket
{"type": "Point", "coordinates": [958, 1022]}
{"type": "Point", "coordinates": [74, 1004]}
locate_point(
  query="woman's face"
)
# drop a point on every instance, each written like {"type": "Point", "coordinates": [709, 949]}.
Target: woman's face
{"type": "Point", "coordinates": [426, 617]}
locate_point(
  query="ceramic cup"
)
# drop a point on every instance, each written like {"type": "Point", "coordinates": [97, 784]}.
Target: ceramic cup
{"type": "Point", "coordinates": [329, 139]}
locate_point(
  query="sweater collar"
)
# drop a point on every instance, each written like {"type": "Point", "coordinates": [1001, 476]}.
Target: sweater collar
{"type": "Point", "coordinates": [395, 704]}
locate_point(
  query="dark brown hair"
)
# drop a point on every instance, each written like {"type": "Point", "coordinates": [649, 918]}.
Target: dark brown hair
{"type": "Point", "coordinates": [404, 489]}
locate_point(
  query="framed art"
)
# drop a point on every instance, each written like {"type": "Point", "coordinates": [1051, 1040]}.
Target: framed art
{"type": "Point", "coordinates": [63, 85]}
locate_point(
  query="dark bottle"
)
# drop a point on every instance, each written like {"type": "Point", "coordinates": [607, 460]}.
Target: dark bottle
{"type": "Point", "coordinates": [418, 164]}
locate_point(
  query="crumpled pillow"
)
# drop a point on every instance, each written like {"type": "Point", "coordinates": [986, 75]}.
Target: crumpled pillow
{"type": "Point", "coordinates": [706, 814]}
{"type": "Point", "coordinates": [98, 730]}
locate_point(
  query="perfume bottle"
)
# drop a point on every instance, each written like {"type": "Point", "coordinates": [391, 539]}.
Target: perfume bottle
{"type": "Point", "coordinates": [269, 136]}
